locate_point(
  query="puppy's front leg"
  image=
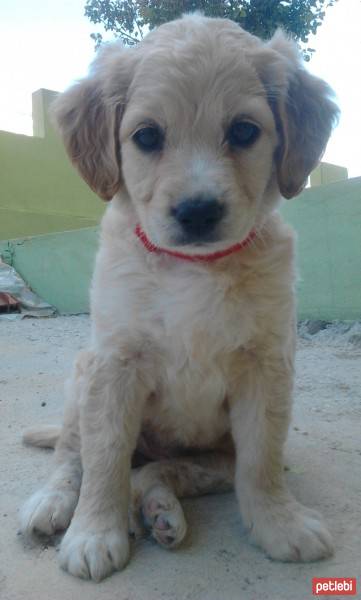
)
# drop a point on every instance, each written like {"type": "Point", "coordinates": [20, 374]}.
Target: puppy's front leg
{"type": "Point", "coordinates": [285, 529]}
{"type": "Point", "coordinates": [115, 389]}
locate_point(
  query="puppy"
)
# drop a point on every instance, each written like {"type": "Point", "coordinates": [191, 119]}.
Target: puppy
{"type": "Point", "coordinates": [193, 137]}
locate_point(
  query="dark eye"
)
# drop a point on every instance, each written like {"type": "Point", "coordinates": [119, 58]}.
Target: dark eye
{"type": "Point", "coordinates": [148, 139]}
{"type": "Point", "coordinates": [242, 134]}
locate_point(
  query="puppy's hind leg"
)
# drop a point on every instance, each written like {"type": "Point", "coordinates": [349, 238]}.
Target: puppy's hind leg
{"type": "Point", "coordinates": [157, 486]}
{"type": "Point", "coordinates": [51, 508]}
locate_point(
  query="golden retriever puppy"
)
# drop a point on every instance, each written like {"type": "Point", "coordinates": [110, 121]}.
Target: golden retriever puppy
{"type": "Point", "coordinates": [193, 137]}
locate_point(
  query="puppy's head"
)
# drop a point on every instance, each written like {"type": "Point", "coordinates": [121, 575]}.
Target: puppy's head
{"type": "Point", "coordinates": [202, 127]}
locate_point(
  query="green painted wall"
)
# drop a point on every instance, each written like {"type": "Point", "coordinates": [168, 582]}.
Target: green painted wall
{"type": "Point", "coordinates": [22, 223]}
{"type": "Point", "coordinates": [40, 191]}
{"type": "Point", "coordinates": [57, 266]}
{"type": "Point", "coordinates": [328, 222]}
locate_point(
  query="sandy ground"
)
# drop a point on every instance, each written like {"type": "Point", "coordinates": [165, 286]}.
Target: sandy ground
{"type": "Point", "coordinates": [216, 562]}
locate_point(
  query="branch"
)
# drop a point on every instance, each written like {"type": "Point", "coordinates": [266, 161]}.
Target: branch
{"type": "Point", "coordinates": [127, 35]}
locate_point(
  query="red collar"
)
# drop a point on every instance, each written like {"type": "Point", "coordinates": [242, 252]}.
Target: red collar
{"type": "Point", "coordinates": [193, 257]}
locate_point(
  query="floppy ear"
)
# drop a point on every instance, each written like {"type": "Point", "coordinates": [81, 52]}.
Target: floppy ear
{"type": "Point", "coordinates": [303, 109]}
{"type": "Point", "coordinates": [88, 117]}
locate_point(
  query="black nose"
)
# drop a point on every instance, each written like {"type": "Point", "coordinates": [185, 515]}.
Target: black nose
{"type": "Point", "coordinates": [198, 216]}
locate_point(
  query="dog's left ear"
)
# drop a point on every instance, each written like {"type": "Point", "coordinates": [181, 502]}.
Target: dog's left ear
{"type": "Point", "coordinates": [303, 109]}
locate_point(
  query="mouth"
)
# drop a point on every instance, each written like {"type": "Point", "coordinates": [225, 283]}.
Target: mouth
{"type": "Point", "coordinates": [194, 256]}
{"type": "Point", "coordinates": [196, 240]}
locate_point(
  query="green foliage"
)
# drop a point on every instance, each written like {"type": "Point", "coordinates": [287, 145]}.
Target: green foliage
{"type": "Point", "coordinates": [128, 19]}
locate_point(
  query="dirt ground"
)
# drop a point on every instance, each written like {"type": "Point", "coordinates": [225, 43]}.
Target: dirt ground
{"type": "Point", "coordinates": [216, 562]}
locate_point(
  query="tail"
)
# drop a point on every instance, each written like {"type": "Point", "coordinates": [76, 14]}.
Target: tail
{"type": "Point", "coordinates": [44, 436]}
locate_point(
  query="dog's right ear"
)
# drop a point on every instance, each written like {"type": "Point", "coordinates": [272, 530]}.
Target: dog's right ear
{"type": "Point", "coordinates": [88, 117]}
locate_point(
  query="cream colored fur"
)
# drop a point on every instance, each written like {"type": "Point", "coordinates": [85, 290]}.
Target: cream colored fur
{"type": "Point", "coordinates": [185, 356]}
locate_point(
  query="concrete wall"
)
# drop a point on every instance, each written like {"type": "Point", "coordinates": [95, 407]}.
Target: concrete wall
{"type": "Point", "coordinates": [327, 173]}
{"type": "Point", "coordinates": [327, 220]}
{"type": "Point", "coordinates": [40, 191]}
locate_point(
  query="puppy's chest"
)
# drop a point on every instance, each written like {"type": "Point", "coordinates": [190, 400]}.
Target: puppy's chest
{"type": "Point", "coordinates": [202, 324]}
{"type": "Point", "coordinates": [203, 317]}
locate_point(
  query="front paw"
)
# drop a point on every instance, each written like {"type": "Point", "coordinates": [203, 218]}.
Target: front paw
{"type": "Point", "coordinates": [47, 511]}
{"type": "Point", "coordinates": [90, 553]}
{"type": "Point", "coordinates": [292, 532]}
